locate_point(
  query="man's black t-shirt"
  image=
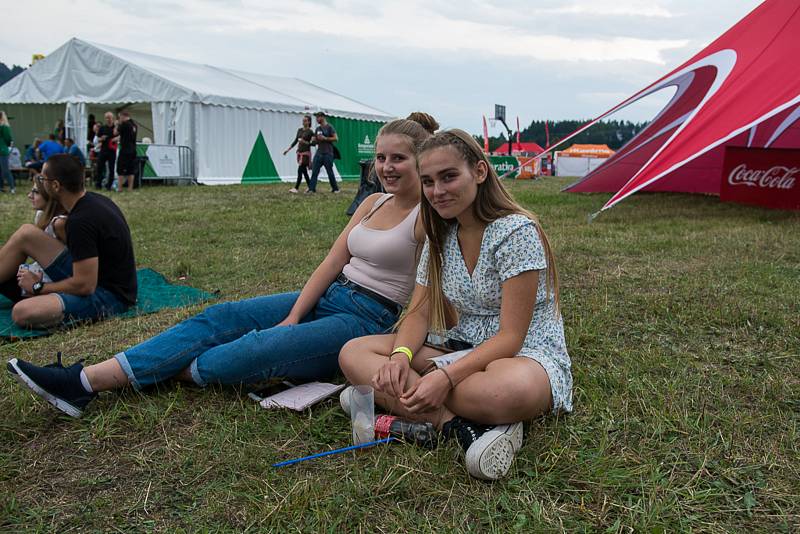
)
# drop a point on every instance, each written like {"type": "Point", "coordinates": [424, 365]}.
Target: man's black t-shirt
{"type": "Point", "coordinates": [127, 137]}
{"type": "Point", "coordinates": [108, 131]}
{"type": "Point", "coordinates": [96, 228]}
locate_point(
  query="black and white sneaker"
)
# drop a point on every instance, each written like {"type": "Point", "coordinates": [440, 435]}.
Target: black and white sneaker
{"type": "Point", "coordinates": [489, 449]}
{"type": "Point", "coordinates": [60, 386]}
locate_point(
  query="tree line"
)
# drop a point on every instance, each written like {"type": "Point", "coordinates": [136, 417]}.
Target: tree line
{"type": "Point", "coordinates": [8, 73]}
{"type": "Point", "coordinates": [613, 133]}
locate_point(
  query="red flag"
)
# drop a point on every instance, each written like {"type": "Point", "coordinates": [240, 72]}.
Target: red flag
{"type": "Point", "coordinates": [485, 136]}
{"type": "Point", "coordinates": [519, 147]}
{"type": "Point", "coordinates": [547, 136]}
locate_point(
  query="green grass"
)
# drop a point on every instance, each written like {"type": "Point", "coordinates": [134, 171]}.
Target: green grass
{"type": "Point", "coordinates": [682, 317]}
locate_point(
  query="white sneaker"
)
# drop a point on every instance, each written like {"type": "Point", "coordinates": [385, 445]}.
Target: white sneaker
{"type": "Point", "coordinates": [293, 190]}
{"type": "Point", "coordinates": [489, 450]}
{"type": "Point", "coordinates": [344, 399]}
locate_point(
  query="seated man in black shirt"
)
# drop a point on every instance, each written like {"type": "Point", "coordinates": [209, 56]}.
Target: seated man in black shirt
{"type": "Point", "coordinates": [93, 277]}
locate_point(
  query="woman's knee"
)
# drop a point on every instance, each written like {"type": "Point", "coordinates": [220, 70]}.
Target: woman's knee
{"type": "Point", "coordinates": [217, 310]}
{"type": "Point", "coordinates": [25, 231]}
{"type": "Point", "coordinates": [353, 353]}
{"type": "Point", "coordinates": [22, 314]}
{"type": "Point", "coordinates": [511, 390]}
{"type": "Point", "coordinates": [348, 356]}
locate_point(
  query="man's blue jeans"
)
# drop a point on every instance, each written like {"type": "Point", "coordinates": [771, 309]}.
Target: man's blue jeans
{"type": "Point", "coordinates": [238, 342]}
{"type": "Point", "coordinates": [322, 160]}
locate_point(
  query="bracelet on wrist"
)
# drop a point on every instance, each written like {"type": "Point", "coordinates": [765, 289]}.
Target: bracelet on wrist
{"type": "Point", "coordinates": [452, 385]}
{"type": "Point", "coordinates": [402, 350]}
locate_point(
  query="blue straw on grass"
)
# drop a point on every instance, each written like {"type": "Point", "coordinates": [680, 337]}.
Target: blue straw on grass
{"type": "Point", "coordinates": [335, 451]}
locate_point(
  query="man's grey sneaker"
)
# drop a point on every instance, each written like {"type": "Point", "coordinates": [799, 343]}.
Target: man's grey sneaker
{"type": "Point", "coordinates": [489, 449]}
{"type": "Point", "coordinates": [60, 386]}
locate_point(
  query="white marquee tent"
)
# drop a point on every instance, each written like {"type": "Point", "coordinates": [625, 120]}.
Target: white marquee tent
{"type": "Point", "coordinates": [237, 123]}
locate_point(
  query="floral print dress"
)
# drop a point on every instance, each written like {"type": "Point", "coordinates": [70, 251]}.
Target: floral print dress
{"type": "Point", "coordinates": [511, 245]}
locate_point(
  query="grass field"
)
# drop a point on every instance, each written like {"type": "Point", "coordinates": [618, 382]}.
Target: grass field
{"type": "Point", "coordinates": [682, 318]}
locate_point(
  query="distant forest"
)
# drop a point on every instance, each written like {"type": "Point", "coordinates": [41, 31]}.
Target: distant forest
{"type": "Point", "coordinates": [6, 73]}
{"type": "Point", "coordinates": [611, 133]}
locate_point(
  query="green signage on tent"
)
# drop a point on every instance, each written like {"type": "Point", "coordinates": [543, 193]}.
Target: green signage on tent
{"type": "Point", "coordinates": [504, 164]}
{"type": "Point", "coordinates": [260, 168]}
{"type": "Point", "coordinates": [356, 142]}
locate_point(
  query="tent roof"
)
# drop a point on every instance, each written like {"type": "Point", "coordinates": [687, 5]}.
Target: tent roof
{"type": "Point", "coordinates": [743, 89]}
{"type": "Point", "coordinates": [531, 147]}
{"type": "Point", "coordinates": [79, 71]}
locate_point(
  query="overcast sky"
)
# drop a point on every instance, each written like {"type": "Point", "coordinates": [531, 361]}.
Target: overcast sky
{"type": "Point", "coordinates": [543, 59]}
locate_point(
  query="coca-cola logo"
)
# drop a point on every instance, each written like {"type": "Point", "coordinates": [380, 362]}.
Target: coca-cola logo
{"type": "Point", "coordinates": [776, 177]}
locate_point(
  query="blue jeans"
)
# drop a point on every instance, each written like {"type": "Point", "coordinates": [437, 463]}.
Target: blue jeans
{"type": "Point", "coordinates": [322, 160]}
{"type": "Point", "coordinates": [5, 173]}
{"type": "Point", "coordinates": [99, 305]}
{"type": "Point", "coordinates": [238, 342]}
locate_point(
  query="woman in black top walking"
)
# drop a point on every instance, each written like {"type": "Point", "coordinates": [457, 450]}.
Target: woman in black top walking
{"type": "Point", "coordinates": [303, 142]}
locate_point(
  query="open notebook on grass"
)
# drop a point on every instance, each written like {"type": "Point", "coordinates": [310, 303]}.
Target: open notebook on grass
{"type": "Point", "coordinates": [288, 395]}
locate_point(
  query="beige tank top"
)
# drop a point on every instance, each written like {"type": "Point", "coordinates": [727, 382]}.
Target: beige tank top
{"type": "Point", "coordinates": [384, 260]}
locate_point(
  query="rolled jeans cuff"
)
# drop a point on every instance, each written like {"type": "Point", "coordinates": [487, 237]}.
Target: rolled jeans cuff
{"type": "Point", "coordinates": [196, 374]}
{"type": "Point", "coordinates": [126, 367]}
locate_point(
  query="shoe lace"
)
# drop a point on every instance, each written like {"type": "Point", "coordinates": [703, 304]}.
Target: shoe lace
{"type": "Point", "coordinates": [466, 432]}
{"type": "Point", "coordinates": [59, 363]}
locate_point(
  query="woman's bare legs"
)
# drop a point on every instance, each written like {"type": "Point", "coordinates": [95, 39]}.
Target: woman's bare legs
{"type": "Point", "coordinates": [360, 360]}
{"type": "Point", "coordinates": [507, 391]}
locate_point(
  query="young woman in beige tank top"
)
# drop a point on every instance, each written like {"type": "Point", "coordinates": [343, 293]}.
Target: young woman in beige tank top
{"type": "Point", "coordinates": [293, 335]}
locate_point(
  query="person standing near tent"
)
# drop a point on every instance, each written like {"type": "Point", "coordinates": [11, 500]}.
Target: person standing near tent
{"type": "Point", "coordinates": [6, 176]}
{"type": "Point", "coordinates": [107, 156]}
{"type": "Point", "coordinates": [360, 288]}
{"type": "Point", "coordinates": [325, 136]}
{"type": "Point", "coordinates": [126, 160]}
{"type": "Point", "coordinates": [489, 259]}
{"type": "Point", "coordinates": [303, 140]}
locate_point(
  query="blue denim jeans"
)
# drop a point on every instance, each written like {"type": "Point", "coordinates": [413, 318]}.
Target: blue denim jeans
{"type": "Point", "coordinates": [5, 173]}
{"type": "Point", "coordinates": [99, 305]}
{"type": "Point", "coordinates": [238, 342]}
{"type": "Point", "coordinates": [322, 160]}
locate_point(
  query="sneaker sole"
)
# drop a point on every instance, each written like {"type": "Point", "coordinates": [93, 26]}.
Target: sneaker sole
{"type": "Point", "coordinates": [26, 381]}
{"type": "Point", "coordinates": [490, 457]}
{"type": "Point", "coordinates": [515, 434]}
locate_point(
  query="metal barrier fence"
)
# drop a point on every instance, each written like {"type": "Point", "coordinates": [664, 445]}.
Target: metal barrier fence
{"type": "Point", "coordinates": [166, 162]}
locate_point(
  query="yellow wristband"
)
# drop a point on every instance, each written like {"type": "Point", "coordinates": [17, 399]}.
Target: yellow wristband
{"type": "Point", "coordinates": [404, 350]}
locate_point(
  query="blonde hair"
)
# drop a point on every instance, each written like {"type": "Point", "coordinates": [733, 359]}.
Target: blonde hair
{"type": "Point", "coordinates": [491, 203]}
{"type": "Point", "coordinates": [415, 133]}
{"type": "Point", "coordinates": [3, 119]}
{"type": "Point", "coordinates": [425, 120]}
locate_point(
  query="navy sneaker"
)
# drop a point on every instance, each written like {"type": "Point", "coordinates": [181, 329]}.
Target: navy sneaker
{"type": "Point", "coordinates": [489, 449]}
{"type": "Point", "coordinates": [60, 386]}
